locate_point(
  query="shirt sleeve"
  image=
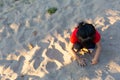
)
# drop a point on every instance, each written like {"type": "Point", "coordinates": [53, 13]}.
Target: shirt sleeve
{"type": "Point", "coordinates": [73, 37]}
{"type": "Point", "coordinates": [97, 37]}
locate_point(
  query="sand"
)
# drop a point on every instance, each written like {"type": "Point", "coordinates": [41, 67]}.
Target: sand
{"type": "Point", "coordinates": [34, 45]}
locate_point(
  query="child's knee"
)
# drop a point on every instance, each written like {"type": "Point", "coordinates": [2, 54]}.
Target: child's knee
{"type": "Point", "coordinates": [77, 47]}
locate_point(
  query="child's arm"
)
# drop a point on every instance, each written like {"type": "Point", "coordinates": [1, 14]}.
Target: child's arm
{"type": "Point", "coordinates": [97, 53]}
{"type": "Point", "coordinates": [72, 51]}
{"type": "Point", "coordinates": [75, 56]}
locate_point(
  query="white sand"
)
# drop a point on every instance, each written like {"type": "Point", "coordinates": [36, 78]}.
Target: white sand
{"type": "Point", "coordinates": [34, 44]}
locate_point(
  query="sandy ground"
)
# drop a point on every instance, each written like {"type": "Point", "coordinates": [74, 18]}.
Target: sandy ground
{"type": "Point", "coordinates": [34, 44]}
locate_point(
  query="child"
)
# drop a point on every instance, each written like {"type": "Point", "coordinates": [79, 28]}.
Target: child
{"type": "Point", "coordinates": [85, 36]}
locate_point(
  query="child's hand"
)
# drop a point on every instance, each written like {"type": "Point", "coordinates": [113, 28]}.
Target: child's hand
{"type": "Point", "coordinates": [94, 62]}
{"type": "Point", "coordinates": [81, 62]}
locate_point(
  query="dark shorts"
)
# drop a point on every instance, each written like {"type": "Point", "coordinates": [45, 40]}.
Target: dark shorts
{"type": "Point", "coordinates": [78, 46]}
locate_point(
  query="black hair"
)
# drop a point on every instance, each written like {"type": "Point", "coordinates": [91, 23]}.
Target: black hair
{"type": "Point", "coordinates": [86, 33]}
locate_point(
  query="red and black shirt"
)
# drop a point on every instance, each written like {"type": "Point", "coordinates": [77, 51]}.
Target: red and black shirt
{"type": "Point", "coordinates": [74, 39]}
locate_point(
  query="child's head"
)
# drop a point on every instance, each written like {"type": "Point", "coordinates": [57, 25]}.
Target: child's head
{"type": "Point", "coordinates": [85, 31]}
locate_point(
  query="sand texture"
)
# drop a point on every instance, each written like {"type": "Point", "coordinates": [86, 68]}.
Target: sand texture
{"type": "Point", "coordinates": [34, 45]}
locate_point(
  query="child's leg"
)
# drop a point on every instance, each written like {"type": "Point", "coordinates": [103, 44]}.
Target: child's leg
{"type": "Point", "coordinates": [91, 50]}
